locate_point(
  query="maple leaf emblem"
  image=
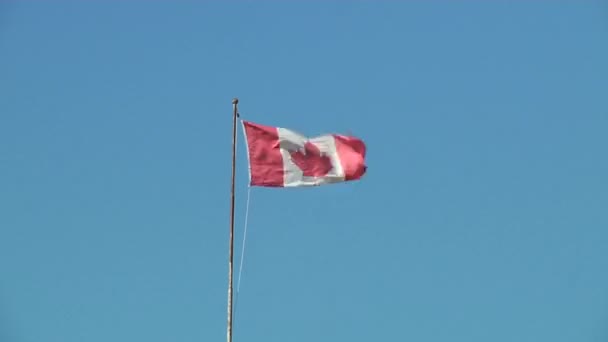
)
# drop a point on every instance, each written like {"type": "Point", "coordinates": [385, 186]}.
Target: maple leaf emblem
{"type": "Point", "coordinates": [311, 161]}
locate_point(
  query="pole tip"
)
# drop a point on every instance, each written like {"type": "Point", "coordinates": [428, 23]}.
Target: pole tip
{"type": "Point", "coordinates": [235, 101]}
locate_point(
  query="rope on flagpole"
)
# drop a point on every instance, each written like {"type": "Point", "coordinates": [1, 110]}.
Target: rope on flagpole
{"type": "Point", "coordinates": [241, 262]}
{"type": "Point", "coordinates": [238, 283]}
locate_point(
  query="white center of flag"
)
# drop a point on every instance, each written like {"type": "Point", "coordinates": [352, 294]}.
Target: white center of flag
{"type": "Point", "coordinates": [312, 161]}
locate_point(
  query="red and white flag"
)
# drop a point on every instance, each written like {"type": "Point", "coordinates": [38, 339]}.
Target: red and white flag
{"type": "Point", "coordinates": [279, 157]}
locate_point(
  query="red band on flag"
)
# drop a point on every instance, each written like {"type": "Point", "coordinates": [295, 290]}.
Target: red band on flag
{"type": "Point", "coordinates": [265, 160]}
{"type": "Point", "coordinates": [352, 156]}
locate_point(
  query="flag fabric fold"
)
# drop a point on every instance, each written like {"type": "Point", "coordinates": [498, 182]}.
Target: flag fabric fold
{"type": "Point", "coordinates": [280, 157]}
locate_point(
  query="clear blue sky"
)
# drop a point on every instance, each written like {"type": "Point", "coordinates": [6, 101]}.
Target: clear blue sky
{"type": "Point", "coordinates": [483, 215]}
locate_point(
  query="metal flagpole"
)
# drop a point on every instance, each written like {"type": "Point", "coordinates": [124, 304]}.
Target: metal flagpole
{"type": "Point", "coordinates": [235, 101]}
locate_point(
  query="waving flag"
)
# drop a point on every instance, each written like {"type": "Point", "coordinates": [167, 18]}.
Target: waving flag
{"type": "Point", "coordinates": [279, 157]}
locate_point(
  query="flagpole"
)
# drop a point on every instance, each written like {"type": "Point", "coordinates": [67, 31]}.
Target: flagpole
{"type": "Point", "coordinates": [235, 101]}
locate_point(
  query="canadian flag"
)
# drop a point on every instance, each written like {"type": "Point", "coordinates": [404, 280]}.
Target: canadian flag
{"type": "Point", "coordinates": [279, 157]}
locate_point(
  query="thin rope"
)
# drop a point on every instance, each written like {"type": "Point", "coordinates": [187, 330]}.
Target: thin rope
{"type": "Point", "coordinates": [238, 286]}
{"type": "Point", "coordinates": [238, 283]}
{"type": "Point", "coordinates": [241, 262]}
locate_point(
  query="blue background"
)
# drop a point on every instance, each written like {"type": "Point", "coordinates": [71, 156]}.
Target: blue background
{"type": "Point", "coordinates": [483, 215]}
